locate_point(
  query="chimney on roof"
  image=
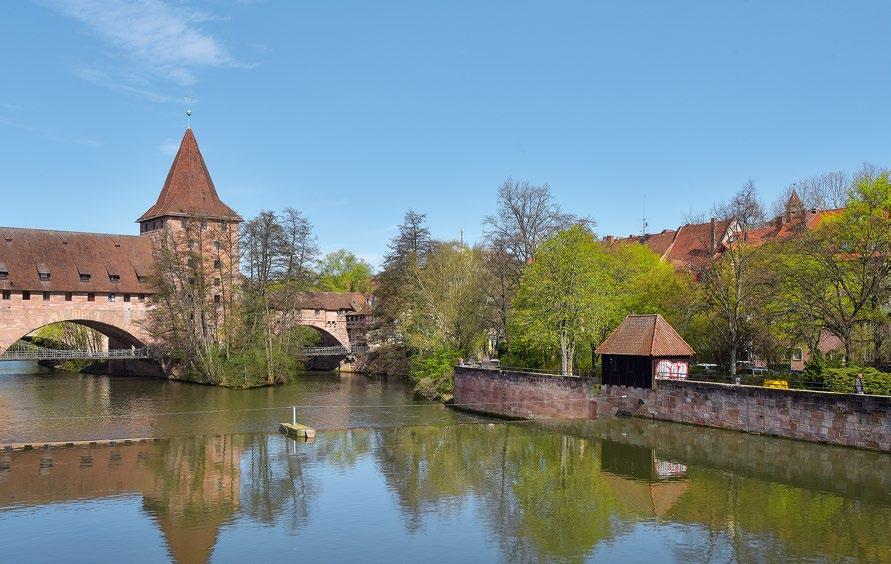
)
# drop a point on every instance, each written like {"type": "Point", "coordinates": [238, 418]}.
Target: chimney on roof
{"type": "Point", "coordinates": [609, 239]}
{"type": "Point", "coordinates": [713, 246]}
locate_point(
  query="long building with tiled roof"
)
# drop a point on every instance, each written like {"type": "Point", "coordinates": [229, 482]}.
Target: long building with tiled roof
{"type": "Point", "coordinates": [102, 280]}
{"type": "Point", "coordinates": [693, 245]}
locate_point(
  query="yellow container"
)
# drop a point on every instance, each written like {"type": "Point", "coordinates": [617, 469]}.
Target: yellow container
{"type": "Point", "coordinates": [776, 384]}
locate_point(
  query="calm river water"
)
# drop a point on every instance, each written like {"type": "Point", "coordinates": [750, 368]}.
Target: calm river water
{"type": "Point", "coordinates": [412, 481]}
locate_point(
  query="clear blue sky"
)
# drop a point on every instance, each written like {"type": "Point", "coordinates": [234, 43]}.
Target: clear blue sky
{"type": "Point", "coordinates": [355, 111]}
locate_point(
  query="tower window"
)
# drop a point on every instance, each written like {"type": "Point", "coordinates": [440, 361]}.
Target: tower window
{"type": "Point", "coordinates": [216, 298]}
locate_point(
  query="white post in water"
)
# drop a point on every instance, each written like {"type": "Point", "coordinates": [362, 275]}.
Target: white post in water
{"type": "Point", "coordinates": [294, 414]}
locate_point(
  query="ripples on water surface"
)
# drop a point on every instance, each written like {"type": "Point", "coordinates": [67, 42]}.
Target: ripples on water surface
{"type": "Point", "coordinates": [421, 483]}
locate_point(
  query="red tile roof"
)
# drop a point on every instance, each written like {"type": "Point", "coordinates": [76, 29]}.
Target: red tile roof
{"type": "Point", "coordinates": [189, 190]}
{"type": "Point", "coordinates": [645, 335]}
{"type": "Point", "coordinates": [65, 255]}
{"type": "Point", "coordinates": [350, 301]}
{"type": "Point", "coordinates": [658, 242]}
{"type": "Point", "coordinates": [787, 226]}
{"type": "Point", "coordinates": [690, 246]}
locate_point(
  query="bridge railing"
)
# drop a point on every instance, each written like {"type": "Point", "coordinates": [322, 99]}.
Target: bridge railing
{"type": "Point", "coordinates": [27, 351]}
{"type": "Point", "coordinates": [40, 353]}
{"type": "Point", "coordinates": [333, 351]}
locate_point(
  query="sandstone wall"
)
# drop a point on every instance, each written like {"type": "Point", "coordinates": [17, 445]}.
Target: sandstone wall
{"type": "Point", "coordinates": [843, 419]}
{"type": "Point", "coordinates": [520, 394]}
{"type": "Point", "coordinates": [119, 320]}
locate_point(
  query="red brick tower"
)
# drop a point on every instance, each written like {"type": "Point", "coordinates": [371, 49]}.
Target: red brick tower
{"type": "Point", "coordinates": [191, 218]}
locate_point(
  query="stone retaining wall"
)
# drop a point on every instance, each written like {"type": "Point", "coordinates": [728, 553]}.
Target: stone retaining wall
{"type": "Point", "coordinates": [843, 419]}
{"type": "Point", "coordinates": [522, 394]}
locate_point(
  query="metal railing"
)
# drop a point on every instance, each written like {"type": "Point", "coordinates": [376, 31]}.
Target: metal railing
{"type": "Point", "coordinates": [333, 351]}
{"type": "Point", "coordinates": [31, 352]}
{"type": "Point", "coordinates": [27, 351]}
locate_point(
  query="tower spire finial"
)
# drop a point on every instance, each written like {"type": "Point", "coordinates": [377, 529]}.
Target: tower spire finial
{"type": "Point", "coordinates": [188, 101]}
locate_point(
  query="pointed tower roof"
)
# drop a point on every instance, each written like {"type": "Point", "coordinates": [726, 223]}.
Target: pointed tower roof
{"type": "Point", "coordinates": [645, 335]}
{"type": "Point", "coordinates": [793, 204]}
{"type": "Point", "coordinates": [188, 190]}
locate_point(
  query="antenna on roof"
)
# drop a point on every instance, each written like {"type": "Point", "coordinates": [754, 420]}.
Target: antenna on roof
{"type": "Point", "coordinates": [188, 100]}
{"type": "Point", "coordinates": [643, 221]}
{"type": "Point", "coordinates": [462, 236]}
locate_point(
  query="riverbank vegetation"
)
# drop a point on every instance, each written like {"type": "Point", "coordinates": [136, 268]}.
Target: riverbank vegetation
{"type": "Point", "coordinates": [542, 291]}
{"type": "Point", "coordinates": [227, 312]}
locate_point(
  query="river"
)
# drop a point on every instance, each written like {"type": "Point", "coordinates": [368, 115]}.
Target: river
{"type": "Point", "coordinates": [394, 478]}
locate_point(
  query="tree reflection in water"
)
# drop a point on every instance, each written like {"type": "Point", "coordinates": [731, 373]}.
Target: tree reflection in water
{"type": "Point", "coordinates": [570, 492]}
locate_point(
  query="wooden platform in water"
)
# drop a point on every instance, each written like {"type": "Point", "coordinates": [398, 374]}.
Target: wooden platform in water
{"type": "Point", "coordinates": [297, 431]}
{"type": "Point", "coordinates": [61, 444]}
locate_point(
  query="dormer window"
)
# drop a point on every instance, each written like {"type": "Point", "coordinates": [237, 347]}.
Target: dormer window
{"type": "Point", "coordinates": [113, 275]}
{"type": "Point", "coordinates": [43, 272]}
{"type": "Point", "coordinates": [140, 274]}
{"type": "Point", "coordinates": [4, 272]}
{"type": "Point", "coordinates": [85, 272]}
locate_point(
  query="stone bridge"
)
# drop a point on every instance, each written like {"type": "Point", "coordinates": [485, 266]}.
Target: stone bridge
{"type": "Point", "coordinates": [122, 318]}
{"type": "Point", "coordinates": [122, 322]}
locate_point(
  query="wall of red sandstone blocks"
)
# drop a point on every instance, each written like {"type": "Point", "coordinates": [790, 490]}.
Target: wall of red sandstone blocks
{"type": "Point", "coordinates": [843, 419]}
{"type": "Point", "coordinates": [523, 395]}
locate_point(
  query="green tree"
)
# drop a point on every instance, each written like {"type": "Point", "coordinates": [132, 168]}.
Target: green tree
{"type": "Point", "coordinates": [343, 271]}
{"type": "Point", "coordinates": [838, 276]}
{"type": "Point", "coordinates": [729, 279]}
{"type": "Point", "coordinates": [562, 298]}
{"type": "Point", "coordinates": [526, 215]}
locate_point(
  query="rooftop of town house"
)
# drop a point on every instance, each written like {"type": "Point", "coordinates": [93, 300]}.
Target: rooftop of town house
{"type": "Point", "coordinates": [71, 261]}
{"type": "Point", "coordinates": [692, 245]}
{"type": "Point", "coordinates": [645, 335]}
{"type": "Point", "coordinates": [189, 191]}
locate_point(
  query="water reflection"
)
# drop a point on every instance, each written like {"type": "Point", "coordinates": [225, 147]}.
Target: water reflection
{"type": "Point", "coordinates": [58, 406]}
{"type": "Point", "coordinates": [519, 492]}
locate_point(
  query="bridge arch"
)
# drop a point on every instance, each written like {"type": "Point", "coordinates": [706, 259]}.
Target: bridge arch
{"type": "Point", "coordinates": [331, 336]}
{"type": "Point", "coordinates": [115, 323]}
